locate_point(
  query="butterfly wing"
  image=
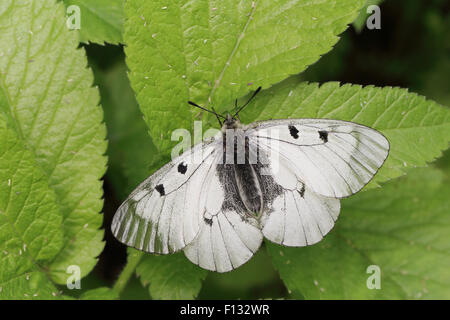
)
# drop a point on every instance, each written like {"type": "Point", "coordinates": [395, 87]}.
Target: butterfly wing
{"type": "Point", "coordinates": [332, 158]}
{"type": "Point", "coordinates": [195, 205]}
{"type": "Point", "coordinates": [314, 162]}
{"type": "Point", "coordinates": [162, 214]}
{"type": "Point", "coordinates": [229, 235]}
{"type": "Point", "coordinates": [299, 217]}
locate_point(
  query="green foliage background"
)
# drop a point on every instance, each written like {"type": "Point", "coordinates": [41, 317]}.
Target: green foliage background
{"type": "Point", "coordinates": [60, 90]}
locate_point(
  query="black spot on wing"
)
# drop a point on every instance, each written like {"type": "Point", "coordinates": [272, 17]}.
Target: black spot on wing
{"type": "Point", "coordinates": [182, 168]}
{"type": "Point", "coordinates": [293, 131]}
{"type": "Point", "coordinates": [160, 189]}
{"type": "Point", "coordinates": [302, 191]}
{"type": "Point", "coordinates": [208, 221]}
{"type": "Point", "coordinates": [323, 135]}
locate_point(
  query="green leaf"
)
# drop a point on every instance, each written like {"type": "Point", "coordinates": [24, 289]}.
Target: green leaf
{"type": "Point", "coordinates": [131, 152]}
{"type": "Point", "coordinates": [418, 130]}
{"type": "Point", "coordinates": [102, 293]}
{"type": "Point", "coordinates": [170, 277]}
{"type": "Point", "coordinates": [257, 279]}
{"type": "Point", "coordinates": [404, 228]}
{"type": "Point", "coordinates": [444, 163]}
{"type": "Point", "coordinates": [30, 222]}
{"type": "Point", "coordinates": [50, 103]}
{"type": "Point", "coordinates": [134, 291]}
{"type": "Point", "coordinates": [211, 51]}
{"type": "Point", "coordinates": [360, 22]}
{"type": "Point", "coordinates": [101, 20]}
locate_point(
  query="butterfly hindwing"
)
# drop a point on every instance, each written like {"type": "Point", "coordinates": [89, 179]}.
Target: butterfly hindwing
{"type": "Point", "coordinates": [299, 217]}
{"type": "Point", "coordinates": [333, 158]}
{"type": "Point", "coordinates": [229, 235]}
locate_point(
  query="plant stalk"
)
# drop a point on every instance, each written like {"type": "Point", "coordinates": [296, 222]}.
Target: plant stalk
{"type": "Point", "coordinates": [134, 257]}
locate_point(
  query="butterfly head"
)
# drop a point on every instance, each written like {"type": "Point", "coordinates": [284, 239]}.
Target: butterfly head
{"type": "Point", "coordinates": [231, 123]}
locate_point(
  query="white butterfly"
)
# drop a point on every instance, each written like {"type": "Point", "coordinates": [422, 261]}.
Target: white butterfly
{"type": "Point", "coordinates": [219, 213]}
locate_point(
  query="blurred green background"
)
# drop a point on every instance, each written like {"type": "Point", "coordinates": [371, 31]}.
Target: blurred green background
{"type": "Point", "coordinates": [412, 50]}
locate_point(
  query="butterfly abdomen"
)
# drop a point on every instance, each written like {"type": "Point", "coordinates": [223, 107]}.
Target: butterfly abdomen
{"type": "Point", "coordinates": [241, 171]}
{"type": "Point", "coordinates": [248, 186]}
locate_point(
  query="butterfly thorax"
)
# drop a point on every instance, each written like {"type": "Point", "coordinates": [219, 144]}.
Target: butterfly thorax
{"type": "Point", "coordinates": [231, 123]}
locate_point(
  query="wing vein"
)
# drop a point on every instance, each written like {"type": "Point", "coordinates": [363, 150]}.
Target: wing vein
{"type": "Point", "coordinates": [245, 245]}
{"type": "Point", "coordinates": [226, 247]}
{"type": "Point", "coordinates": [300, 217]}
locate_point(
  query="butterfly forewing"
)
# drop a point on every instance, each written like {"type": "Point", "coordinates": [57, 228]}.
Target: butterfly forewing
{"type": "Point", "coordinates": [163, 215]}
{"type": "Point", "coordinates": [333, 158]}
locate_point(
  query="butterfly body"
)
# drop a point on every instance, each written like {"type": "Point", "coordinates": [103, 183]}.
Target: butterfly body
{"type": "Point", "coordinates": [240, 172]}
{"type": "Point", "coordinates": [278, 179]}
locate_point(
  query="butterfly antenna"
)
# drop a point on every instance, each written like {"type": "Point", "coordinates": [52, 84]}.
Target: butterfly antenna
{"type": "Point", "coordinates": [249, 100]}
{"type": "Point", "coordinates": [213, 112]}
{"type": "Point", "coordinates": [236, 109]}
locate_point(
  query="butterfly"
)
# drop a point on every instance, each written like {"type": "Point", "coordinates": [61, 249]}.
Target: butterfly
{"type": "Point", "coordinates": [278, 179]}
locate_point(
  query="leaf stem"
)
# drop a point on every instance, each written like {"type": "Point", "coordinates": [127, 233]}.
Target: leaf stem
{"type": "Point", "coordinates": [134, 257]}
